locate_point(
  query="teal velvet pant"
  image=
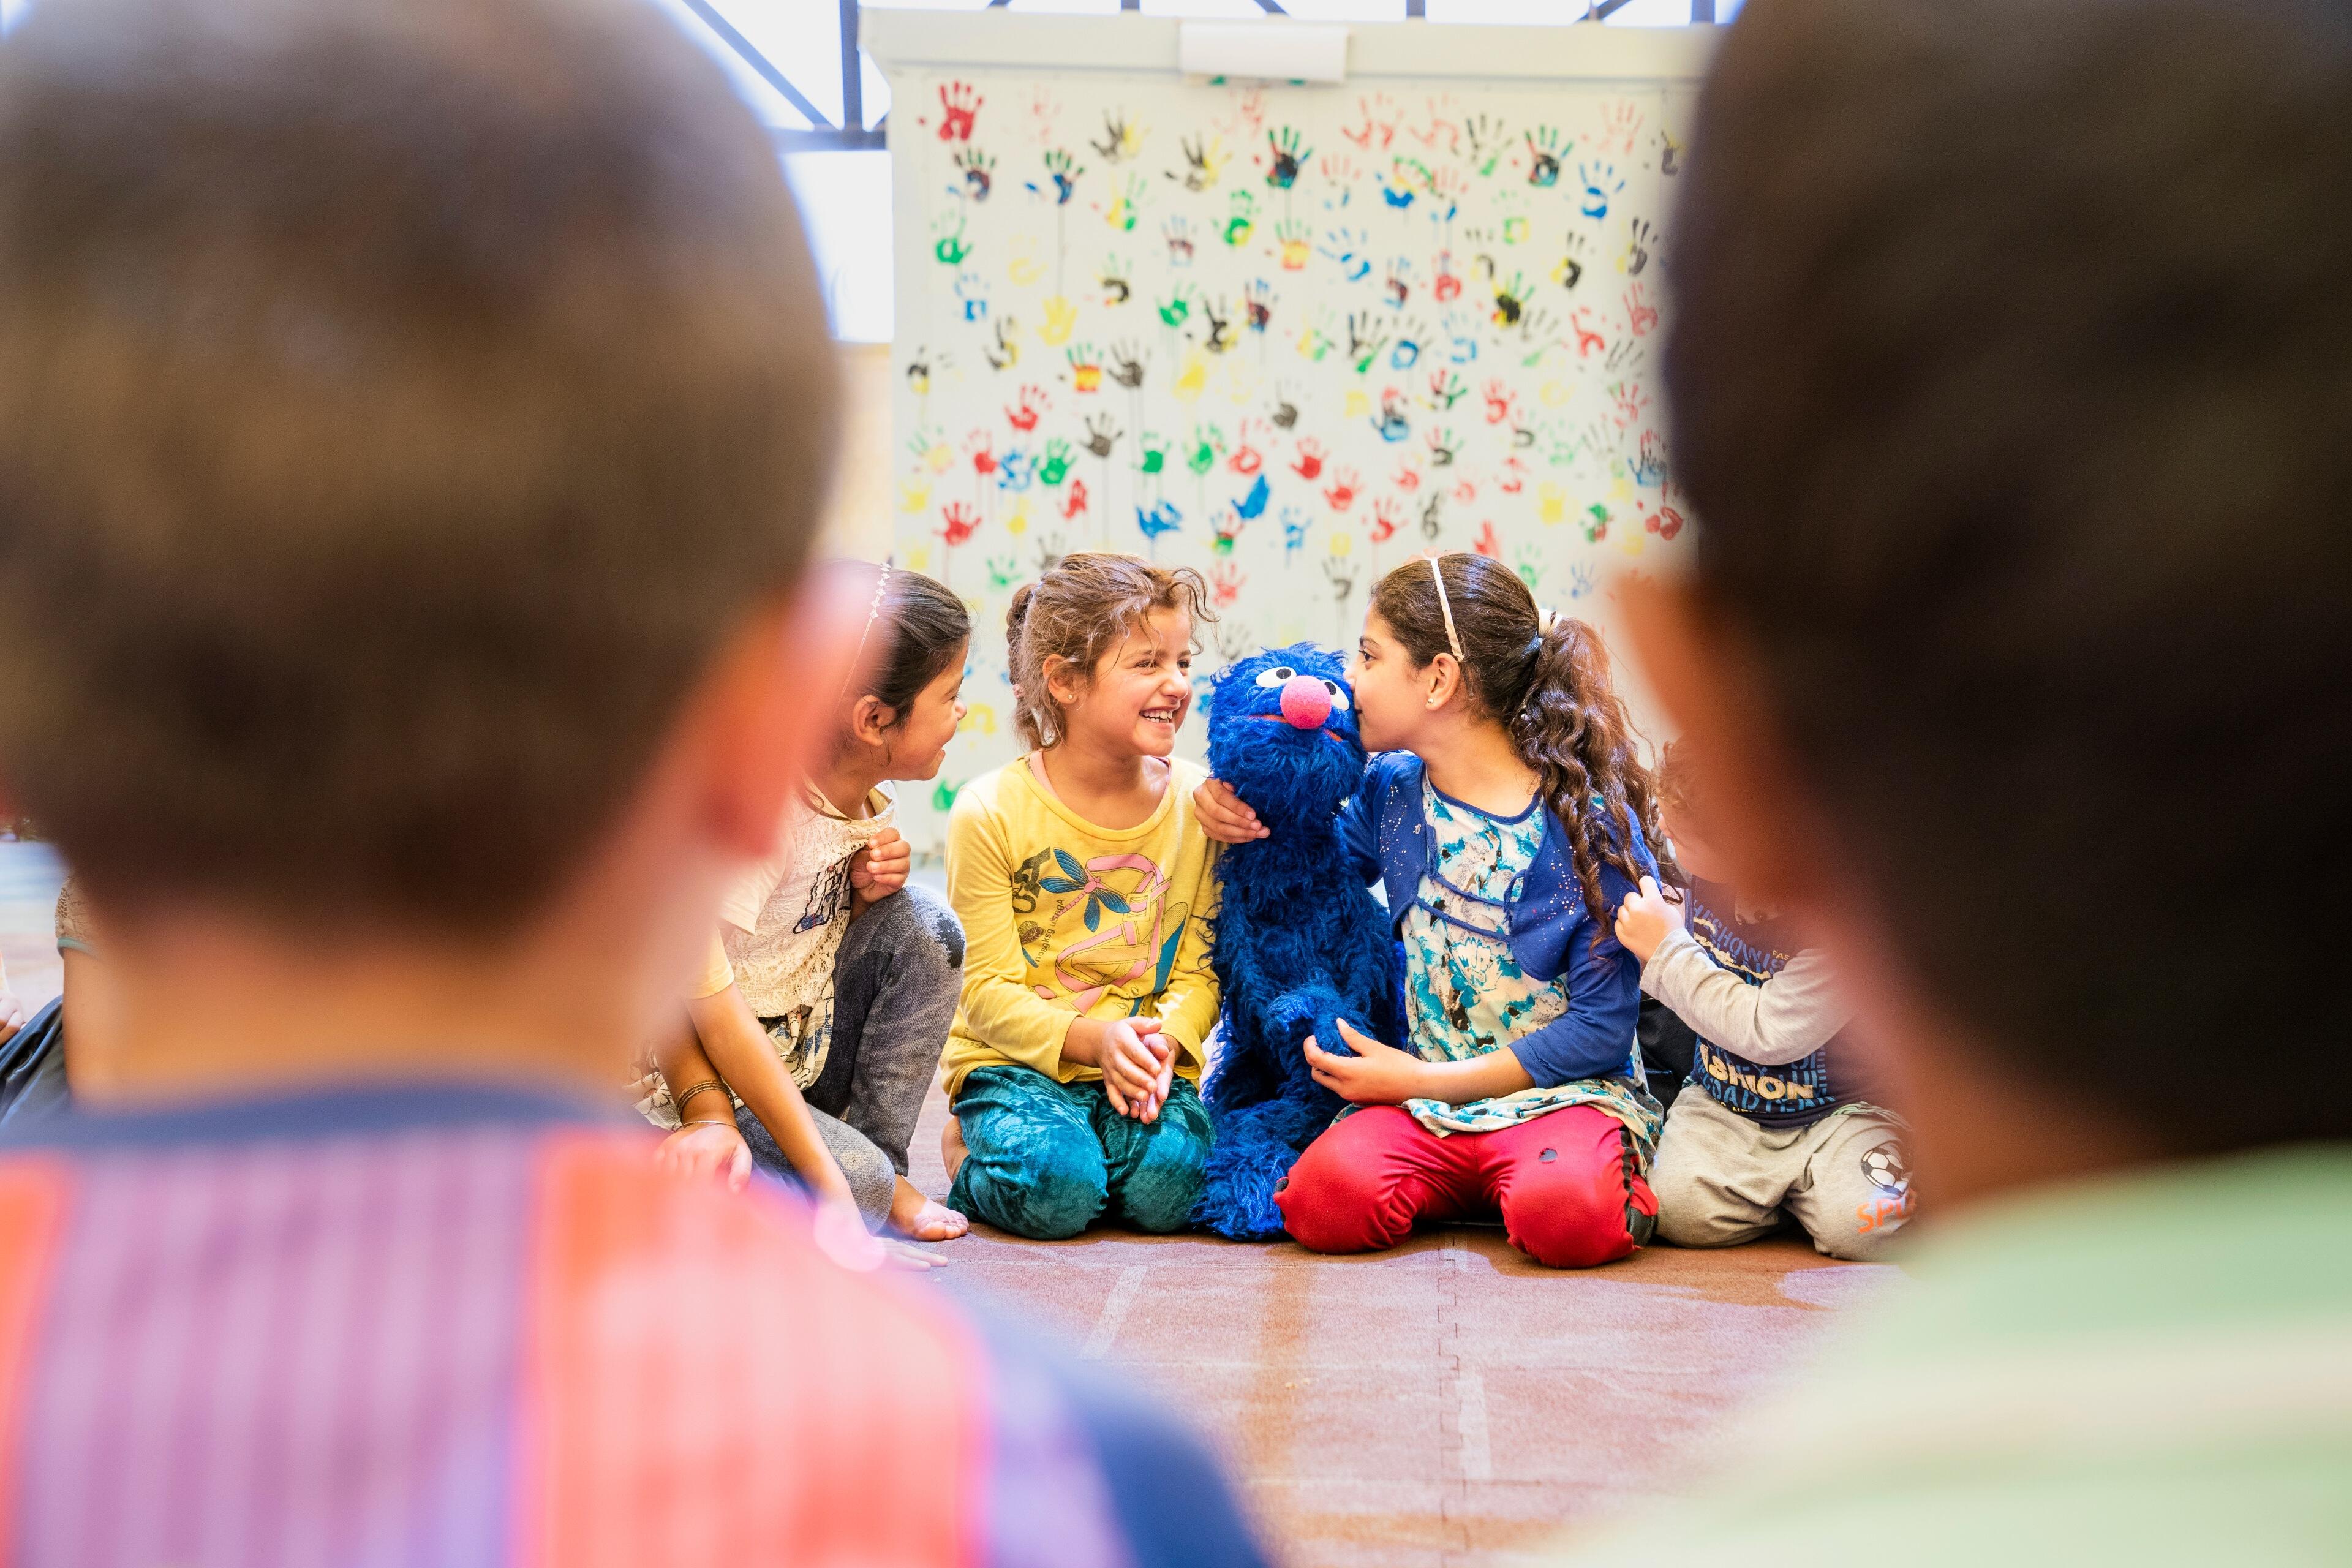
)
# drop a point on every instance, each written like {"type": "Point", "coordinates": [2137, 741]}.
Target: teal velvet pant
{"type": "Point", "coordinates": [1048, 1157]}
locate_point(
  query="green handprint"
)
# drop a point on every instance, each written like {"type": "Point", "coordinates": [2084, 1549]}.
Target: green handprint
{"type": "Point", "coordinates": [1206, 440]}
{"type": "Point", "coordinates": [1242, 219]}
{"type": "Point", "coordinates": [1054, 467]}
{"type": "Point", "coordinates": [1155, 452]}
{"type": "Point", "coordinates": [1004, 571]}
{"type": "Point", "coordinates": [1176, 309]}
{"type": "Point", "coordinates": [947, 242]}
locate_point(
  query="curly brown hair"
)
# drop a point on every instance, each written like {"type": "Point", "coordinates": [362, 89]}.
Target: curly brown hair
{"type": "Point", "coordinates": [1546, 681]}
{"type": "Point", "coordinates": [1077, 611]}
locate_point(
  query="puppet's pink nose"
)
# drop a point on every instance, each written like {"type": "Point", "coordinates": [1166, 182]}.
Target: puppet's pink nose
{"type": "Point", "coordinates": [1304, 703]}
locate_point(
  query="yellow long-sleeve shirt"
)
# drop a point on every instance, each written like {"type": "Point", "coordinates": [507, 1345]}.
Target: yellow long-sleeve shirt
{"type": "Point", "coordinates": [1063, 918]}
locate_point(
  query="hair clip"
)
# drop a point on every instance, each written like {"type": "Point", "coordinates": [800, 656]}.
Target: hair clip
{"type": "Point", "coordinates": [873, 611]}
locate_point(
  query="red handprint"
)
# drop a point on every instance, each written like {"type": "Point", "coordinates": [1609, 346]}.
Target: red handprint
{"type": "Point", "coordinates": [1665, 522]}
{"type": "Point", "coordinates": [982, 447]}
{"type": "Point", "coordinates": [1500, 401]}
{"type": "Point", "coordinates": [1587, 340]}
{"type": "Point", "coordinates": [1311, 459]}
{"type": "Point", "coordinates": [1466, 491]}
{"type": "Point", "coordinates": [1407, 477]}
{"type": "Point", "coordinates": [1345, 483]}
{"type": "Point", "coordinates": [1076, 502]}
{"type": "Point", "coordinates": [1515, 476]}
{"type": "Point", "coordinates": [1445, 284]}
{"type": "Point", "coordinates": [1246, 460]}
{"type": "Point", "coordinates": [961, 522]}
{"type": "Point", "coordinates": [1488, 543]}
{"type": "Point", "coordinates": [1385, 520]}
{"type": "Point", "coordinates": [959, 104]}
{"type": "Point", "coordinates": [1630, 399]}
{"type": "Point", "coordinates": [1034, 402]}
{"type": "Point", "coordinates": [1640, 314]}
{"type": "Point", "coordinates": [1225, 581]}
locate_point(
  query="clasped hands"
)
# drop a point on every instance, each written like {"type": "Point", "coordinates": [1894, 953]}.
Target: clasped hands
{"type": "Point", "coordinates": [1135, 1056]}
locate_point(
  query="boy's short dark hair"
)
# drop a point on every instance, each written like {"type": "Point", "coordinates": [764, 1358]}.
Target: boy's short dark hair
{"type": "Point", "coordinates": [399, 403]}
{"type": "Point", "coordinates": [2011, 375]}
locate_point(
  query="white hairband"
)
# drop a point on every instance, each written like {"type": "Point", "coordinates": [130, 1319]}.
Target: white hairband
{"type": "Point", "coordinates": [872, 611]}
{"type": "Point", "coordinates": [1446, 609]}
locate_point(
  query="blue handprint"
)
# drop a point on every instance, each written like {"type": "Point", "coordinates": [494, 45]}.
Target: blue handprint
{"type": "Point", "coordinates": [1161, 519]}
{"type": "Point", "coordinates": [1347, 247]}
{"type": "Point", "coordinates": [1250, 506]}
{"type": "Point", "coordinates": [1293, 530]}
{"type": "Point", "coordinates": [1601, 182]}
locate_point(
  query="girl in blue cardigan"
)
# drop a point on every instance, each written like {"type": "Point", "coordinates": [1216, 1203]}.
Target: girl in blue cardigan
{"type": "Point", "coordinates": [1508, 818]}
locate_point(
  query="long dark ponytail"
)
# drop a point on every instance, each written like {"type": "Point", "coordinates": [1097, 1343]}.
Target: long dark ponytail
{"type": "Point", "coordinates": [1546, 679]}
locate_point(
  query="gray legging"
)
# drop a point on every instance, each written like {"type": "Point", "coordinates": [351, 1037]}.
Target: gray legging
{"type": "Point", "coordinates": [895, 985]}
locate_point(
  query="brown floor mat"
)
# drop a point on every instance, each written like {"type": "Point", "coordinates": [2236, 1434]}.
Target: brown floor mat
{"type": "Point", "coordinates": [1446, 1402]}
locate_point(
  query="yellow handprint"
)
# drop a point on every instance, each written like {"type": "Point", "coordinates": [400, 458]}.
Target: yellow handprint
{"type": "Point", "coordinates": [1018, 523]}
{"type": "Point", "coordinates": [919, 558]}
{"type": "Point", "coordinates": [1551, 504]}
{"type": "Point", "coordinates": [1358, 406]}
{"type": "Point", "coordinates": [1060, 317]}
{"type": "Point", "coordinates": [1025, 268]}
{"type": "Point", "coordinates": [978, 719]}
{"type": "Point", "coordinates": [1192, 377]}
{"type": "Point", "coordinates": [1555, 393]}
{"type": "Point", "coordinates": [915, 494]}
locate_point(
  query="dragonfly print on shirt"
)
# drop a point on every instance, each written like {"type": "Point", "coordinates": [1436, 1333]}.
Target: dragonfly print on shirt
{"type": "Point", "coordinates": [1131, 929]}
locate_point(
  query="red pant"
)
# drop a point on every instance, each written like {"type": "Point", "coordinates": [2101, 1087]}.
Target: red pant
{"type": "Point", "coordinates": [1565, 1184]}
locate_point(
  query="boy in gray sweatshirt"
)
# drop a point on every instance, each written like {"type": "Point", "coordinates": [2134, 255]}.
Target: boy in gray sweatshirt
{"type": "Point", "coordinates": [1783, 1123]}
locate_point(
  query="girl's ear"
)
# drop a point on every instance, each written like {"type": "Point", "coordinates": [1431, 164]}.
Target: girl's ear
{"type": "Point", "coordinates": [1445, 680]}
{"type": "Point", "coordinates": [869, 721]}
{"type": "Point", "coordinates": [1058, 684]}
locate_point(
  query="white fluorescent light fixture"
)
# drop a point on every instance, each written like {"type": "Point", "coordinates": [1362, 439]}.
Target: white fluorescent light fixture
{"type": "Point", "coordinates": [1263, 51]}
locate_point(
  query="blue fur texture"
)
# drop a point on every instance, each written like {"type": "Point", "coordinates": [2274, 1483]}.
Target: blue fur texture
{"type": "Point", "coordinates": [1299, 940]}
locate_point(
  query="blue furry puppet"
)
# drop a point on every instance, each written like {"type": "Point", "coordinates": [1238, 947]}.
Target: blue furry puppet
{"type": "Point", "coordinates": [1299, 939]}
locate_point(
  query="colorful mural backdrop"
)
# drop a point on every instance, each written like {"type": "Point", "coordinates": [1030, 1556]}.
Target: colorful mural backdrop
{"type": "Point", "coordinates": [1289, 336]}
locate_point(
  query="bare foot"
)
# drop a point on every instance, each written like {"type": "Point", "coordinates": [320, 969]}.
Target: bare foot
{"type": "Point", "coordinates": [952, 1149]}
{"type": "Point", "coordinates": [913, 1214]}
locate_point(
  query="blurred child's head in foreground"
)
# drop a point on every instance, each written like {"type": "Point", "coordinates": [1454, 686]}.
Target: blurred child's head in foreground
{"type": "Point", "coordinates": [2011, 369]}
{"type": "Point", "coordinates": [403, 410]}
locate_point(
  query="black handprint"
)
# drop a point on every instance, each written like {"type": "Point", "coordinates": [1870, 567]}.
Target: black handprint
{"type": "Point", "coordinates": [1220, 317]}
{"type": "Point", "coordinates": [1114, 143]}
{"type": "Point", "coordinates": [1102, 432]}
{"type": "Point", "coordinates": [1637, 247]}
{"type": "Point", "coordinates": [1126, 368]}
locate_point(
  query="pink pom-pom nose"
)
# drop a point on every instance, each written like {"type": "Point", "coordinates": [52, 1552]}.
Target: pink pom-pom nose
{"type": "Point", "coordinates": [1304, 703]}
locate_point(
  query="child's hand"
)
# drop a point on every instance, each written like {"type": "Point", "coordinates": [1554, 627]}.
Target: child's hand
{"type": "Point", "coordinates": [1222, 815]}
{"type": "Point", "coordinates": [1375, 1075]}
{"type": "Point", "coordinates": [880, 868]}
{"type": "Point", "coordinates": [1132, 1053]}
{"type": "Point", "coordinates": [711, 1150]}
{"type": "Point", "coordinates": [1645, 917]}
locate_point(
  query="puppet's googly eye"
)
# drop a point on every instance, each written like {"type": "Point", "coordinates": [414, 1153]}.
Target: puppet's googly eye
{"type": "Point", "coordinates": [1275, 676]}
{"type": "Point", "coordinates": [1339, 697]}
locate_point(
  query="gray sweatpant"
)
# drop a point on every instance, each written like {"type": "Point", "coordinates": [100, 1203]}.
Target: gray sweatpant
{"type": "Point", "coordinates": [1721, 1179]}
{"type": "Point", "coordinates": [895, 985]}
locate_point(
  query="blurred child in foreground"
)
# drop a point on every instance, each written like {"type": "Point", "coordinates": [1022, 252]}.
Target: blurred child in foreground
{"type": "Point", "coordinates": [2011, 369]}
{"type": "Point", "coordinates": [412, 424]}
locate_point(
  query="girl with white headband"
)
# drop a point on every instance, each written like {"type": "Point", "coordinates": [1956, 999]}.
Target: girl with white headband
{"type": "Point", "coordinates": [1507, 819]}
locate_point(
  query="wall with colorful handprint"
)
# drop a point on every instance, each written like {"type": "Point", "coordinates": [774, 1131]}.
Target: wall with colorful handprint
{"type": "Point", "coordinates": [1291, 336]}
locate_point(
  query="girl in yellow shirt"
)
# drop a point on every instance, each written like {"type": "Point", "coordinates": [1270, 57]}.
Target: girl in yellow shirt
{"type": "Point", "coordinates": [1081, 880]}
